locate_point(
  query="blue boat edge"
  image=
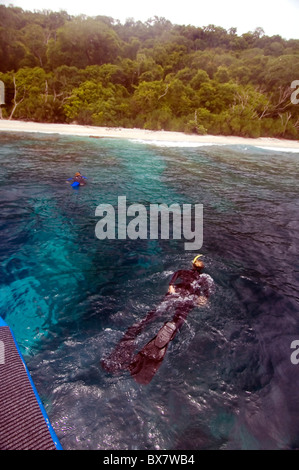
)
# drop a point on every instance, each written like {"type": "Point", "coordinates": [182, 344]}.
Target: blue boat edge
{"type": "Point", "coordinates": [42, 408]}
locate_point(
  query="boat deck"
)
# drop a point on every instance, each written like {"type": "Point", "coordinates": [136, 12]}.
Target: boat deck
{"type": "Point", "coordinates": [24, 424]}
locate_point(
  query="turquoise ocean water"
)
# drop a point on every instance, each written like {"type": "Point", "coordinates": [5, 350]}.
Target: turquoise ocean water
{"type": "Point", "coordinates": [227, 381]}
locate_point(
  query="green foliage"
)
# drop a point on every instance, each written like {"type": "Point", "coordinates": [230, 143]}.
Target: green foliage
{"type": "Point", "coordinates": [154, 75]}
{"type": "Point", "coordinates": [222, 74]}
{"type": "Point", "coordinates": [199, 78]}
{"type": "Point", "coordinates": [83, 42]}
{"type": "Point", "coordinates": [92, 103]}
{"type": "Point", "coordinates": [31, 97]}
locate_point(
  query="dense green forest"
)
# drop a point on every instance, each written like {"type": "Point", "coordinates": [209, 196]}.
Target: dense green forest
{"type": "Point", "coordinates": [152, 75]}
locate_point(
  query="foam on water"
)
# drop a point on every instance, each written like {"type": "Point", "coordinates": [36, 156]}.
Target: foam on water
{"type": "Point", "coordinates": [179, 144]}
{"type": "Point", "coordinates": [280, 149]}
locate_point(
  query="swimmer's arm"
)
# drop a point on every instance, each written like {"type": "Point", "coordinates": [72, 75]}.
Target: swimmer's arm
{"type": "Point", "coordinates": [202, 300]}
{"type": "Point", "coordinates": [171, 288]}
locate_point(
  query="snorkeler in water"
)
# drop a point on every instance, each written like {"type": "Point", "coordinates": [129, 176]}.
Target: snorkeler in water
{"type": "Point", "coordinates": [187, 289]}
{"type": "Point", "coordinates": [78, 178]}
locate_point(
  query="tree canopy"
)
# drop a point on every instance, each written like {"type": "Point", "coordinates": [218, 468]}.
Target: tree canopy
{"type": "Point", "coordinates": [154, 75]}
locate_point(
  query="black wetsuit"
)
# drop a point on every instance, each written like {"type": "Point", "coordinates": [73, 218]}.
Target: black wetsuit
{"type": "Point", "coordinates": [191, 282]}
{"type": "Point", "coordinates": [189, 286]}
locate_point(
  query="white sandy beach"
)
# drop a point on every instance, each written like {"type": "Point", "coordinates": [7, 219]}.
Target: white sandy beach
{"type": "Point", "coordinates": [145, 135]}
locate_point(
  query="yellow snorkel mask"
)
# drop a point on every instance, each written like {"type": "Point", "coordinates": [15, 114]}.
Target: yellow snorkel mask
{"type": "Point", "coordinates": [197, 263]}
{"type": "Point", "coordinates": [196, 258]}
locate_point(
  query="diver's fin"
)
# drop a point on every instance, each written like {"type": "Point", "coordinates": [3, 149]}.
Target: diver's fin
{"type": "Point", "coordinates": [165, 335]}
{"type": "Point", "coordinates": [146, 363]}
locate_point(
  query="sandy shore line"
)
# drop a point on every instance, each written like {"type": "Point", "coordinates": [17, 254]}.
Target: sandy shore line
{"type": "Point", "coordinates": [144, 135]}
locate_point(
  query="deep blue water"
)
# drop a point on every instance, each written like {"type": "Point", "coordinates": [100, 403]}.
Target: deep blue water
{"type": "Point", "coordinates": [227, 381]}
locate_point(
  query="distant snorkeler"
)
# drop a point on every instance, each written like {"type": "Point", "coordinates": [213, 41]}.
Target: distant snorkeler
{"type": "Point", "coordinates": [77, 180]}
{"type": "Point", "coordinates": [187, 289]}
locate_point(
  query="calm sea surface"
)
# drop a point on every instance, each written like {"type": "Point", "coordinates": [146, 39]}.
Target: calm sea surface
{"type": "Point", "coordinates": [227, 381]}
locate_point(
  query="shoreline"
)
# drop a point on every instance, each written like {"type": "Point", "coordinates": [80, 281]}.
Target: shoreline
{"type": "Point", "coordinates": [145, 135]}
